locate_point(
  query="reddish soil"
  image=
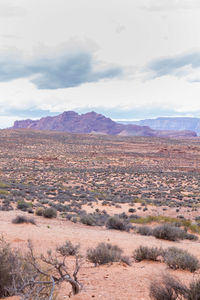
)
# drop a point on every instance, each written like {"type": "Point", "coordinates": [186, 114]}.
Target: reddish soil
{"type": "Point", "coordinates": [116, 281]}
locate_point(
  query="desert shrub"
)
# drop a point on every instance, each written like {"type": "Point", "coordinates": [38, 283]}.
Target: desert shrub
{"type": "Point", "coordinates": [117, 223]}
{"type": "Point", "coordinates": [169, 288]}
{"type": "Point", "coordinates": [88, 220]}
{"type": "Point", "coordinates": [11, 269]}
{"type": "Point", "coordinates": [44, 201]}
{"type": "Point", "coordinates": [123, 216]}
{"type": "Point", "coordinates": [132, 210]}
{"type": "Point", "coordinates": [23, 205]}
{"type": "Point", "coordinates": [3, 192]}
{"type": "Point", "coordinates": [68, 249]}
{"type": "Point", "coordinates": [177, 258]}
{"type": "Point", "coordinates": [49, 213]}
{"type": "Point", "coordinates": [168, 232]}
{"type": "Point", "coordinates": [93, 219]}
{"type": "Point", "coordinates": [144, 230]}
{"type": "Point", "coordinates": [126, 260]}
{"type": "Point", "coordinates": [163, 219]}
{"type": "Point", "coordinates": [23, 219]}
{"type": "Point", "coordinates": [148, 253]}
{"type": "Point", "coordinates": [104, 253]}
{"type": "Point", "coordinates": [193, 292]}
{"type": "Point", "coordinates": [25, 275]}
{"type": "Point", "coordinates": [190, 236]}
{"type": "Point", "coordinates": [134, 217]}
{"type": "Point", "coordinates": [39, 211]}
{"type": "Point", "coordinates": [69, 216]}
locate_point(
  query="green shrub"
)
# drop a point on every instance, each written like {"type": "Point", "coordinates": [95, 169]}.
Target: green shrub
{"type": "Point", "coordinates": [23, 205]}
{"type": "Point", "coordinates": [4, 192]}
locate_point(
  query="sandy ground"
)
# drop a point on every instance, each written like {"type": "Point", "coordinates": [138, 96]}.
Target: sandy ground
{"type": "Point", "coordinates": [117, 281]}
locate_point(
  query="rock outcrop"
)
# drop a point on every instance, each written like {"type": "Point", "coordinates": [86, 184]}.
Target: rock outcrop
{"type": "Point", "coordinates": [91, 122]}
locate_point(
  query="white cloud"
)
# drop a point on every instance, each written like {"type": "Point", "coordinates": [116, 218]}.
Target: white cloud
{"type": "Point", "coordinates": [8, 10]}
{"type": "Point", "coordinates": [169, 5]}
{"type": "Point", "coordinates": [163, 28]}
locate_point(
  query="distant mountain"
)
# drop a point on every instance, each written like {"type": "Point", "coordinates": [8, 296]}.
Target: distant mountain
{"type": "Point", "coordinates": [91, 122]}
{"type": "Point", "coordinates": [174, 123]}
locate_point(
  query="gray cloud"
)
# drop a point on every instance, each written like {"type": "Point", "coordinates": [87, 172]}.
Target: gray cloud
{"type": "Point", "coordinates": [174, 65]}
{"type": "Point", "coordinates": [58, 70]}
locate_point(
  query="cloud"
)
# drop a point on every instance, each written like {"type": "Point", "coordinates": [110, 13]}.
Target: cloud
{"type": "Point", "coordinates": [119, 28]}
{"type": "Point", "coordinates": [169, 5]}
{"type": "Point", "coordinates": [9, 11]}
{"type": "Point", "coordinates": [65, 69]}
{"type": "Point", "coordinates": [187, 65]}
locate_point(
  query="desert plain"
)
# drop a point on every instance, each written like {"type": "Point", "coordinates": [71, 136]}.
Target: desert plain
{"type": "Point", "coordinates": [88, 179]}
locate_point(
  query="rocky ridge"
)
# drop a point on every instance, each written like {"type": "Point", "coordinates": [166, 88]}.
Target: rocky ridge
{"type": "Point", "coordinates": [93, 123]}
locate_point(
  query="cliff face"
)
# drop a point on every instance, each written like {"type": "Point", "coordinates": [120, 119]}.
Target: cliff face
{"type": "Point", "coordinates": [92, 122]}
{"type": "Point", "coordinates": [178, 123]}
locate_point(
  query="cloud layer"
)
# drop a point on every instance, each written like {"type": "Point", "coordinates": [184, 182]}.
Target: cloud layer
{"type": "Point", "coordinates": [187, 65]}
{"type": "Point", "coordinates": [61, 70]}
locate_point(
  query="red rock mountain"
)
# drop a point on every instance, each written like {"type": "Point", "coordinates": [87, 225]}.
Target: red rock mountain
{"type": "Point", "coordinates": [91, 122]}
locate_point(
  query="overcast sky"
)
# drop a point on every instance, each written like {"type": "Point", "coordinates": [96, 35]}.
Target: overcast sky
{"type": "Point", "coordinates": [127, 59]}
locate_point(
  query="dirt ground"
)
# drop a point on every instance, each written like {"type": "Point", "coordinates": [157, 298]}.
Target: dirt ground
{"type": "Point", "coordinates": [78, 174]}
{"type": "Point", "coordinates": [117, 281]}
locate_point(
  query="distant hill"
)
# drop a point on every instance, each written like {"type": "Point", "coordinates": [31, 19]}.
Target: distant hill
{"type": "Point", "coordinates": [174, 123]}
{"type": "Point", "coordinates": [91, 122]}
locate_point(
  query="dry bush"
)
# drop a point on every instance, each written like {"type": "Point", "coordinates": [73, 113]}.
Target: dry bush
{"type": "Point", "coordinates": [68, 249]}
{"type": "Point", "coordinates": [145, 230]}
{"type": "Point", "coordinates": [168, 232]}
{"type": "Point", "coordinates": [22, 274]}
{"type": "Point", "coordinates": [142, 253]}
{"type": "Point", "coordinates": [105, 253]}
{"type": "Point", "coordinates": [116, 223]}
{"type": "Point", "coordinates": [23, 219]}
{"type": "Point", "coordinates": [194, 290]}
{"type": "Point", "coordinates": [50, 213]}
{"type": "Point", "coordinates": [88, 220]}
{"type": "Point", "coordinates": [24, 205]}
{"type": "Point", "coordinates": [169, 288]}
{"type": "Point", "coordinates": [39, 211]}
{"type": "Point", "coordinates": [177, 258]}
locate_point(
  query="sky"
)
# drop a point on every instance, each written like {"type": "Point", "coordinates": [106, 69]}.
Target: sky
{"type": "Point", "coordinates": [126, 59]}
